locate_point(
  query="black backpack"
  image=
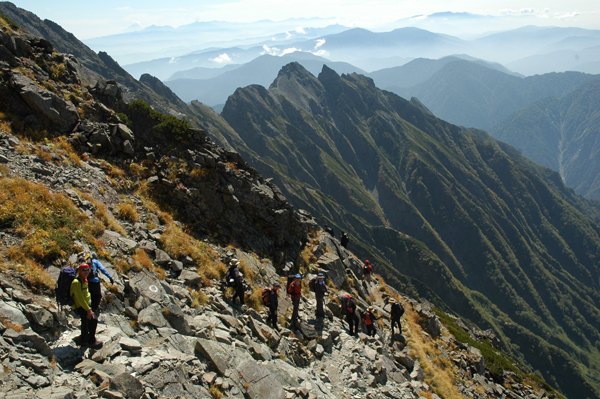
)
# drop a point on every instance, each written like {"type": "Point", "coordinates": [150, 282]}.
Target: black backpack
{"type": "Point", "coordinates": [63, 286]}
{"type": "Point", "coordinates": [397, 311]}
{"type": "Point", "coordinates": [312, 283]}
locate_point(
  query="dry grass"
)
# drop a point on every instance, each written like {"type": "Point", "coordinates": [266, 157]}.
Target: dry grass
{"type": "Point", "coordinates": [199, 298]}
{"type": "Point", "coordinates": [215, 392]}
{"type": "Point", "coordinates": [49, 223]}
{"type": "Point", "coordinates": [179, 244]}
{"type": "Point", "coordinates": [127, 212]}
{"type": "Point", "coordinates": [248, 273]}
{"type": "Point", "coordinates": [103, 216]}
{"type": "Point", "coordinates": [121, 265]}
{"type": "Point", "coordinates": [29, 269]}
{"type": "Point", "coordinates": [141, 259]}
{"type": "Point", "coordinates": [254, 300]}
{"type": "Point", "coordinates": [438, 376]}
{"type": "Point", "coordinates": [307, 256]}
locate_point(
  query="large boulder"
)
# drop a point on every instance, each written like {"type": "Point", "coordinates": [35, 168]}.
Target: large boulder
{"type": "Point", "coordinates": [259, 382]}
{"type": "Point", "coordinates": [128, 385]}
{"type": "Point", "coordinates": [334, 268]}
{"type": "Point", "coordinates": [11, 314]}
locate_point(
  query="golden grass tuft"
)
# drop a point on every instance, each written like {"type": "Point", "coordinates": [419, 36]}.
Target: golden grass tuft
{"type": "Point", "coordinates": [48, 222]}
{"type": "Point", "coordinates": [254, 300]}
{"type": "Point", "coordinates": [199, 298]}
{"type": "Point", "coordinates": [127, 212]}
{"type": "Point", "coordinates": [215, 392]}
{"type": "Point", "coordinates": [141, 259]}
{"type": "Point", "coordinates": [439, 377]}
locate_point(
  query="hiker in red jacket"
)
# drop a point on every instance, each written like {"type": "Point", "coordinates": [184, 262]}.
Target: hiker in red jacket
{"type": "Point", "coordinates": [367, 271]}
{"type": "Point", "coordinates": [295, 291]}
{"type": "Point", "coordinates": [369, 320]}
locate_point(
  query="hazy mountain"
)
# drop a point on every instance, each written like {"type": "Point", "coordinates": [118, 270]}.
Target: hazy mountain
{"type": "Point", "coordinates": [421, 69]}
{"type": "Point", "coordinates": [510, 46]}
{"type": "Point", "coordinates": [585, 60]}
{"type": "Point", "coordinates": [262, 71]}
{"type": "Point", "coordinates": [562, 134]}
{"type": "Point", "coordinates": [203, 73]}
{"type": "Point", "coordinates": [165, 41]}
{"type": "Point", "coordinates": [507, 249]}
{"type": "Point", "coordinates": [470, 94]}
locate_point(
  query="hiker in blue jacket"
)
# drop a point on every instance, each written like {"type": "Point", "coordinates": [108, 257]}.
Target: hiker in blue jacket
{"type": "Point", "coordinates": [94, 281]}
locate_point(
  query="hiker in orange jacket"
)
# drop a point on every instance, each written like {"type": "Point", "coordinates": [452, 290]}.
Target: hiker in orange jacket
{"type": "Point", "coordinates": [295, 291]}
{"type": "Point", "coordinates": [369, 320]}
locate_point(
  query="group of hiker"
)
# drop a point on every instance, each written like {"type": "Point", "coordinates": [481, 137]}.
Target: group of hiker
{"type": "Point", "coordinates": [80, 287]}
{"type": "Point", "coordinates": [270, 297]}
{"type": "Point", "coordinates": [344, 239]}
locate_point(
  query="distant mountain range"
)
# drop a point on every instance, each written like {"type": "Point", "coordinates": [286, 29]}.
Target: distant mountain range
{"type": "Point", "coordinates": [474, 95]}
{"type": "Point", "coordinates": [262, 70]}
{"type": "Point", "coordinates": [529, 50]}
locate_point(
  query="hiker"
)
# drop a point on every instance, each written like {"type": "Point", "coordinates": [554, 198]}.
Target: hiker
{"type": "Point", "coordinates": [320, 292]}
{"type": "Point", "coordinates": [344, 240]}
{"type": "Point", "coordinates": [369, 321]}
{"type": "Point", "coordinates": [295, 291]}
{"type": "Point", "coordinates": [367, 271]}
{"type": "Point", "coordinates": [273, 304]}
{"type": "Point", "coordinates": [238, 282]}
{"type": "Point", "coordinates": [351, 316]}
{"type": "Point", "coordinates": [82, 301]}
{"type": "Point", "coordinates": [94, 281]}
{"type": "Point", "coordinates": [329, 230]}
{"type": "Point", "coordinates": [395, 313]}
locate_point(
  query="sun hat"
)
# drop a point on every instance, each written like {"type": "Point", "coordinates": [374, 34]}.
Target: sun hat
{"type": "Point", "coordinates": [321, 275]}
{"type": "Point", "coordinates": [298, 276]}
{"type": "Point", "coordinates": [392, 300]}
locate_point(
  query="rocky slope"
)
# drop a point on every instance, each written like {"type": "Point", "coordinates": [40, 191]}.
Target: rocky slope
{"type": "Point", "coordinates": [166, 208]}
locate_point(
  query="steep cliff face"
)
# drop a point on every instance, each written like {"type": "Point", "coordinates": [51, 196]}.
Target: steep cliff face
{"type": "Point", "coordinates": [506, 242]}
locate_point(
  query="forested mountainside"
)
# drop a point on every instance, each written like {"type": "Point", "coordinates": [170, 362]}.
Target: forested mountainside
{"type": "Point", "coordinates": [498, 241]}
{"type": "Point", "coordinates": [167, 207]}
{"type": "Point", "coordinates": [562, 134]}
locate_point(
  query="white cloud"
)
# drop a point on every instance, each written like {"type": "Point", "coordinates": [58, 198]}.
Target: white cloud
{"type": "Point", "coordinates": [269, 50]}
{"type": "Point", "coordinates": [173, 60]}
{"type": "Point", "coordinates": [419, 17]}
{"type": "Point", "coordinates": [320, 42]}
{"type": "Point", "coordinates": [221, 59]}
{"type": "Point", "coordinates": [300, 30]}
{"type": "Point", "coordinates": [321, 53]}
{"type": "Point", "coordinates": [566, 15]}
{"type": "Point", "coordinates": [288, 35]}
{"type": "Point", "coordinates": [527, 10]}
{"type": "Point", "coordinates": [289, 50]}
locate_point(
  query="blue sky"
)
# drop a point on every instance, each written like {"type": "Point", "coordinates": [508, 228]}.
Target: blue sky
{"type": "Point", "coordinates": [88, 19]}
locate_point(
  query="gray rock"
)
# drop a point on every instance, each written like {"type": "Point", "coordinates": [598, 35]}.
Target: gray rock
{"type": "Point", "coordinates": [129, 386]}
{"type": "Point", "coordinates": [39, 343]}
{"type": "Point", "coordinates": [334, 267]}
{"type": "Point", "coordinates": [40, 316]}
{"type": "Point", "coordinates": [130, 345]}
{"type": "Point", "coordinates": [55, 393]}
{"type": "Point", "coordinates": [190, 278]}
{"type": "Point", "coordinates": [161, 258]}
{"type": "Point", "coordinates": [153, 315]}
{"type": "Point", "coordinates": [12, 314]}
{"type": "Point", "coordinates": [117, 241]}
{"type": "Point", "coordinates": [147, 285]}
{"type": "Point", "coordinates": [259, 382]}
{"type": "Point", "coordinates": [222, 356]}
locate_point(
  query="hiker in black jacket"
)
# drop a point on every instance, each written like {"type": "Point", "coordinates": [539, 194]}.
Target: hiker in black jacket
{"type": "Point", "coordinates": [395, 313]}
{"type": "Point", "coordinates": [273, 304]}
{"type": "Point", "coordinates": [351, 317]}
{"type": "Point", "coordinates": [234, 272]}
{"type": "Point", "coordinates": [320, 292]}
{"type": "Point", "coordinates": [344, 240]}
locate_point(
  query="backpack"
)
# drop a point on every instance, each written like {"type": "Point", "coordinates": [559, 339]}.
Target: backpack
{"type": "Point", "coordinates": [266, 296]}
{"type": "Point", "coordinates": [63, 286]}
{"type": "Point", "coordinates": [290, 280]}
{"type": "Point", "coordinates": [345, 300]}
{"type": "Point", "coordinates": [397, 311]}
{"type": "Point", "coordinates": [312, 283]}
